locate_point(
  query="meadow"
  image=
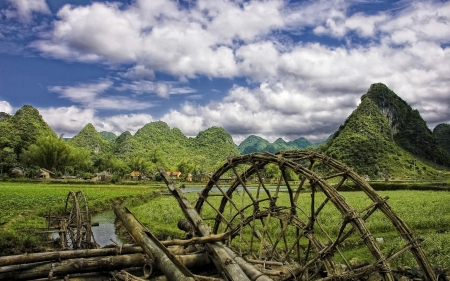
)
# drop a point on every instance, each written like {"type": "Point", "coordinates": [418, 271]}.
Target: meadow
{"type": "Point", "coordinates": [24, 205]}
{"type": "Point", "coordinates": [427, 213]}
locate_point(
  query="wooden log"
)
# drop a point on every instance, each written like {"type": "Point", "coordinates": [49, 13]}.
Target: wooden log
{"type": "Point", "coordinates": [251, 271]}
{"type": "Point", "coordinates": [155, 251]}
{"type": "Point", "coordinates": [198, 260]}
{"type": "Point", "coordinates": [199, 278]}
{"type": "Point", "coordinates": [125, 276]}
{"type": "Point", "coordinates": [64, 255]}
{"type": "Point", "coordinates": [94, 276]}
{"type": "Point", "coordinates": [220, 257]}
{"type": "Point", "coordinates": [80, 265]}
{"type": "Point", "coordinates": [196, 240]}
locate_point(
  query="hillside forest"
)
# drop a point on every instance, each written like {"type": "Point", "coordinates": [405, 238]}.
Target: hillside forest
{"type": "Point", "coordinates": [384, 138]}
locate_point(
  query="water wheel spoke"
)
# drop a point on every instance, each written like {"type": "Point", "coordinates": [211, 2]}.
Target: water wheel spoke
{"type": "Point", "coordinates": [261, 183]}
{"type": "Point", "coordinates": [277, 223]}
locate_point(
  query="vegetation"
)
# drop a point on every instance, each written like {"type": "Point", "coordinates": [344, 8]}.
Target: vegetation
{"type": "Point", "coordinates": [89, 138]}
{"type": "Point", "coordinates": [408, 128]}
{"type": "Point", "coordinates": [427, 213]}
{"type": "Point", "coordinates": [111, 137]}
{"type": "Point", "coordinates": [24, 205]}
{"type": "Point", "coordinates": [257, 144]}
{"type": "Point", "coordinates": [442, 133]}
{"type": "Point", "coordinates": [368, 142]}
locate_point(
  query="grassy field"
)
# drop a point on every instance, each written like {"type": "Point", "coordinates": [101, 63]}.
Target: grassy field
{"type": "Point", "coordinates": [24, 205]}
{"type": "Point", "coordinates": [427, 213]}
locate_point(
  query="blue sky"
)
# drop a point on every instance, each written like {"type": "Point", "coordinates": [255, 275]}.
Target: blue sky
{"type": "Point", "coordinates": [270, 68]}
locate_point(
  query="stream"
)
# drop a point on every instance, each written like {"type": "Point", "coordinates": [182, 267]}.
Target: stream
{"type": "Point", "coordinates": [106, 229]}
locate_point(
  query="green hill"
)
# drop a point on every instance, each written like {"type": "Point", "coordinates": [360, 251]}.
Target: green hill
{"type": "Point", "coordinates": [22, 129]}
{"type": "Point", "coordinates": [18, 132]}
{"type": "Point", "coordinates": [257, 144]}
{"type": "Point", "coordinates": [111, 137]}
{"type": "Point", "coordinates": [89, 138]}
{"type": "Point", "coordinates": [215, 145]}
{"type": "Point", "coordinates": [408, 128]}
{"type": "Point", "coordinates": [442, 134]}
{"type": "Point", "coordinates": [124, 145]}
{"type": "Point", "coordinates": [252, 144]}
{"type": "Point", "coordinates": [367, 140]}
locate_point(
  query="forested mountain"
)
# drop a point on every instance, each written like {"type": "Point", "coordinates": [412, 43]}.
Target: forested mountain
{"type": "Point", "coordinates": [257, 144]}
{"type": "Point", "coordinates": [158, 144]}
{"type": "Point", "coordinates": [373, 138]}
{"type": "Point", "coordinates": [408, 128]}
{"type": "Point", "coordinates": [18, 132]}
{"type": "Point", "coordinates": [442, 133]}
{"type": "Point", "coordinates": [124, 145]}
{"type": "Point", "coordinates": [89, 138]}
{"type": "Point", "coordinates": [383, 137]}
{"type": "Point", "coordinates": [111, 137]}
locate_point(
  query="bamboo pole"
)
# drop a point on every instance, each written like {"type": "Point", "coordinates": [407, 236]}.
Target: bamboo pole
{"type": "Point", "coordinates": [80, 265]}
{"type": "Point", "coordinates": [251, 271]}
{"type": "Point", "coordinates": [220, 257]}
{"type": "Point", "coordinates": [155, 251]}
{"type": "Point", "coordinates": [63, 255]}
{"type": "Point", "coordinates": [125, 276]}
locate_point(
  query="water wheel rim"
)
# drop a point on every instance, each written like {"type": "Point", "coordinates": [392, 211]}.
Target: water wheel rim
{"type": "Point", "coordinates": [291, 161]}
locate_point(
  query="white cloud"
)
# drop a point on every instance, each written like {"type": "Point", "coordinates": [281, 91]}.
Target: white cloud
{"type": "Point", "coordinates": [91, 96]}
{"type": "Point", "coordinates": [23, 10]}
{"type": "Point", "coordinates": [67, 120]}
{"type": "Point", "coordinates": [70, 120]}
{"type": "Point", "coordinates": [6, 107]}
{"type": "Point", "coordinates": [161, 89]}
{"type": "Point", "coordinates": [139, 72]}
{"type": "Point", "coordinates": [296, 88]}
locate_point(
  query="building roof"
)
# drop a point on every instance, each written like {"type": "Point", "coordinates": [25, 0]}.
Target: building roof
{"type": "Point", "coordinates": [47, 171]}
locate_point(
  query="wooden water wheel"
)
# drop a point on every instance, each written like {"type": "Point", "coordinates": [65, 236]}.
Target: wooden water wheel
{"type": "Point", "coordinates": [302, 217]}
{"type": "Point", "coordinates": [77, 222]}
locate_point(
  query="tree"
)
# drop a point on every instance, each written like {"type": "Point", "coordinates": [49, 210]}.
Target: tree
{"type": "Point", "coordinates": [8, 159]}
{"type": "Point", "coordinates": [50, 152]}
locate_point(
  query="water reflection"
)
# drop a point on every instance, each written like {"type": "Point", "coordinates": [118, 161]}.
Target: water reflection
{"type": "Point", "coordinates": [106, 230]}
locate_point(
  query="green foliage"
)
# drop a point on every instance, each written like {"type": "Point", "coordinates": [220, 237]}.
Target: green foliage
{"type": "Point", "coordinates": [427, 213]}
{"type": "Point", "coordinates": [29, 126]}
{"type": "Point", "coordinates": [48, 152]}
{"type": "Point", "coordinates": [24, 206]}
{"type": "Point", "coordinates": [89, 138]}
{"type": "Point", "coordinates": [18, 132]}
{"type": "Point", "coordinates": [111, 137]}
{"type": "Point", "coordinates": [368, 140]}
{"type": "Point", "coordinates": [253, 144]}
{"type": "Point", "coordinates": [257, 144]}
{"type": "Point", "coordinates": [124, 145]}
{"type": "Point", "coordinates": [442, 134]}
{"type": "Point", "coordinates": [408, 128]}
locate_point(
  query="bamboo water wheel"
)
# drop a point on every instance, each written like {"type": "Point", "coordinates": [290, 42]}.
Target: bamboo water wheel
{"type": "Point", "coordinates": [287, 221]}
{"type": "Point", "coordinates": [79, 232]}
{"type": "Point", "coordinates": [75, 224]}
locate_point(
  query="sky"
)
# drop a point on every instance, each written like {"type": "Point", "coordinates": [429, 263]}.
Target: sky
{"type": "Point", "coordinates": [270, 68]}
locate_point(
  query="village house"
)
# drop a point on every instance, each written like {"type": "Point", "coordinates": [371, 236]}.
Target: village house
{"type": "Point", "coordinates": [46, 174]}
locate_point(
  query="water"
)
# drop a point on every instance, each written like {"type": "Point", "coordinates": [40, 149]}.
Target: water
{"type": "Point", "coordinates": [106, 230]}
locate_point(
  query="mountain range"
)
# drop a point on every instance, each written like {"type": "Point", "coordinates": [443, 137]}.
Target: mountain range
{"type": "Point", "coordinates": [382, 137]}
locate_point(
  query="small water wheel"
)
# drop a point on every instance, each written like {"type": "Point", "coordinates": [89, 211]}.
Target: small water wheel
{"type": "Point", "coordinates": [75, 224]}
{"type": "Point", "coordinates": [78, 222]}
{"type": "Point", "coordinates": [302, 218]}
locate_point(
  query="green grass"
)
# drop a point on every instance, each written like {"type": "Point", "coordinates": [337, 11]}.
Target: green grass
{"type": "Point", "coordinates": [23, 207]}
{"type": "Point", "coordinates": [427, 213]}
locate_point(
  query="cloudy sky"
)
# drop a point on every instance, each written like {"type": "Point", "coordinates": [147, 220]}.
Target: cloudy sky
{"type": "Point", "coordinates": [271, 68]}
